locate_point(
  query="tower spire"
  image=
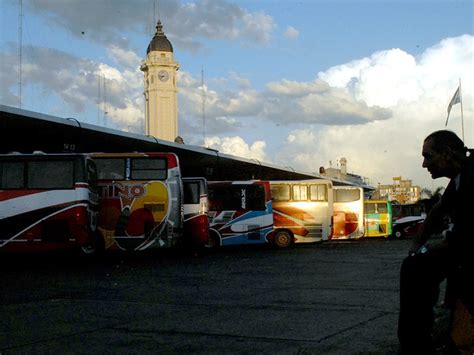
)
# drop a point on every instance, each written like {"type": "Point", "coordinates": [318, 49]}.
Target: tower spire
{"type": "Point", "coordinates": [159, 29]}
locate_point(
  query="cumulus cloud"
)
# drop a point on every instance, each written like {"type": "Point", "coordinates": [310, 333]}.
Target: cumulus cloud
{"type": "Point", "coordinates": [186, 22]}
{"type": "Point", "coordinates": [237, 146]}
{"type": "Point", "coordinates": [295, 103]}
{"type": "Point", "coordinates": [291, 32]}
{"type": "Point", "coordinates": [415, 90]}
{"type": "Point", "coordinates": [125, 58]}
{"type": "Point", "coordinates": [77, 83]}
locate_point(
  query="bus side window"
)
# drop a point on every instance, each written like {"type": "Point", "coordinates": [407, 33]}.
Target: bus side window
{"type": "Point", "coordinates": [382, 208]}
{"type": "Point", "coordinates": [191, 192]}
{"type": "Point", "coordinates": [300, 192]}
{"type": "Point", "coordinates": [369, 208]}
{"type": "Point", "coordinates": [318, 193]}
{"type": "Point", "coordinates": [256, 197]}
{"type": "Point", "coordinates": [280, 192]}
{"type": "Point", "coordinates": [91, 173]}
{"type": "Point", "coordinates": [12, 175]}
{"type": "Point", "coordinates": [50, 174]}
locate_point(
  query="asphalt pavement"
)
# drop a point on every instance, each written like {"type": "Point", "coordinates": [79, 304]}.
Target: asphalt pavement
{"type": "Point", "coordinates": [330, 298]}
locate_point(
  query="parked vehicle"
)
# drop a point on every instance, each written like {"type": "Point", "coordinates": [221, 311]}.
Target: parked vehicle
{"type": "Point", "coordinates": [407, 210]}
{"type": "Point", "coordinates": [196, 212]}
{"type": "Point", "coordinates": [141, 200]}
{"type": "Point", "coordinates": [348, 220]}
{"type": "Point", "coordinates": [302, 211]}
{"type": "Point", "coordinates": [240, 212]}
{"type": "Point", "coordinates": [407, 226]}
{"type": "Point", "coordinates": [378, 218]}
{"type": "Point", "coordinates": [48, 202]}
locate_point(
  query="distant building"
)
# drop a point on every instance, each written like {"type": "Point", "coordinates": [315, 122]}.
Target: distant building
{"type": "Point", "coordinates": [401, 191]}
{"type": "Point", "coordinates": [161, 102]}
{"type": "Point", "coordinates": [342, 174]}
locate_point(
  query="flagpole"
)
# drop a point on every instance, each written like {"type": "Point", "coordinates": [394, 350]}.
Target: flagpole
{"type": "Point", "coordinates": [462, 114]}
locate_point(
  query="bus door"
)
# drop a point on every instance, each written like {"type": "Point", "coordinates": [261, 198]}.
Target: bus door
{"type": "Point", "coordinates": [196, 211]}
{"type": "Point", "coordinates": [240, 212]}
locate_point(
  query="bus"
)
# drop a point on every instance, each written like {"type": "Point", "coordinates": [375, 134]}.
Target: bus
{"type": "Point", "coordinates": [348, 221]}
{"type": "Point", "coordinates": [48, 202]}
{"type": "Point", "coordinates": [240, 212]}
{"type": "Point", "coordinates": [378, 218]}
{"type": "Point", "coordinates": [302, 211]}
{"type": "Point", "coordinates": [196, 212]}
{"type": "Point", "coordinates": [140, 200]}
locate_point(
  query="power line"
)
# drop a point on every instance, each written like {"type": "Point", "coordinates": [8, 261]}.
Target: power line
{"type": "Point", "coordinates": [20, 51]}
{"type": "Point", "coordinates": [203, 98]}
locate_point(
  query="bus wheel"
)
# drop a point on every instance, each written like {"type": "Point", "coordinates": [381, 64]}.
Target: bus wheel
{"type": "Point", "coordinates": [282, 239]}
{"type": "Point", "coordinates": [398, 234]}
{"type": "Point", "coordinates": [88, 249]}
{"type": "Point", "coordinates": [212, 242]}
{"type": "Point", "coordinates": [95, 247]}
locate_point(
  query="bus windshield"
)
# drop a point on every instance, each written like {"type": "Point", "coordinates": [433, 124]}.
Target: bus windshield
{"type": "Point", "coordinates": [139, 168]}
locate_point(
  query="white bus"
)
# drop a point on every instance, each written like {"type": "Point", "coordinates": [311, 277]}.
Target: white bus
{"type": "Point", "coordinates": [348, 221]}
{"type": "Point", "coordinates": [302, 211]}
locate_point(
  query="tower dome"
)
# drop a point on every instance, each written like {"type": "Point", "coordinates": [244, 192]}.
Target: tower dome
{"type": "Point", "coordinates": [159, 41]}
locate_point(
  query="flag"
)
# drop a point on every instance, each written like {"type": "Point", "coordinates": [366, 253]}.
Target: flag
{"type": "Point", "coordinates": [455, 100]}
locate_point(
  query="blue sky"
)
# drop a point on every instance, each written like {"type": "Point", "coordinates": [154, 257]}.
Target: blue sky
{"type": "Point", "coordinates": [294, 83]}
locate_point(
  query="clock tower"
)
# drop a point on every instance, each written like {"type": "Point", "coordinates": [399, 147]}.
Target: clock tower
{"type": "Point", "coordinates": [161, 102]}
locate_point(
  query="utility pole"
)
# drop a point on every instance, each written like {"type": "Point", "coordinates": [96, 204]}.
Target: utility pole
{"type": "Point", "coordinates": [20, 52]}
{"type": "Point", "coordinates": [203, 98]}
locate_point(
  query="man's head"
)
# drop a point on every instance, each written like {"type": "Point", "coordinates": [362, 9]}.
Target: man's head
{"type": "Point", "coordinates": [443, 154]}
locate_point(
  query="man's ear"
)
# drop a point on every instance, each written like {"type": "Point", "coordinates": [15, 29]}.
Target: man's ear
{"type": "Point", "coordinates": [448, 153]}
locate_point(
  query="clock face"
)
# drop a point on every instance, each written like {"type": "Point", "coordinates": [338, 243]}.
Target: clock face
{"type": "Point", "coordinates": [163, 75]}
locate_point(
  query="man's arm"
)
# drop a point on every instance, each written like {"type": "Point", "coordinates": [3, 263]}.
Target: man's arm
{"type": "Point", "coordinates": [430, 226]}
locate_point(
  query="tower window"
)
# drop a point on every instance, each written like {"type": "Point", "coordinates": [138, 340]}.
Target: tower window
{"type": "Point", "coordinates": [163, 55]}
{"type": "Point", "coordinates": [152, 79]}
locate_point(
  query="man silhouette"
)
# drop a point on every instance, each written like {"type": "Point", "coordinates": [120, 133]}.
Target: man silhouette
{"type": "Point", "coordinates": [444, 155]}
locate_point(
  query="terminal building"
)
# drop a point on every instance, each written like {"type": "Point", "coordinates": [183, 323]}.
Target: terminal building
{"type": "Point", "coordinates": [26, 131]}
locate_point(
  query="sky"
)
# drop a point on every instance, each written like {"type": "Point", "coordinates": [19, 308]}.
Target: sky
{"type": "Point", "coordinates": [299, 84]}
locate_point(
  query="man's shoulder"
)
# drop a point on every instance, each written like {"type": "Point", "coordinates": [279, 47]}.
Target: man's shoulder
{"type": "Point", "coordinates": [469, 167]}
{"type": "Point", "coordinates": [467, 180]}
{"type": "Point", "coordinates": [468, 172]}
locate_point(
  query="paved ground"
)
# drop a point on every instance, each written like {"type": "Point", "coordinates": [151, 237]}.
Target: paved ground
{"type": "Point", "coordinates": [327, 298]}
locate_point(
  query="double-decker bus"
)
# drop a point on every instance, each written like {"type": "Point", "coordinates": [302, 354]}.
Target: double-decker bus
{"type": "Point", "coordinates": [140, 200]}
{"type": "Point", "coordinates": [240, 212]}
{"type": "Point", "coordinates": [348, 221]}
{"type": "Point", "coordinates": [302, 211]}
{"type": "Point", "coordinates": [196, 212]}
{"type": "Point", "coordinates": [48, 202]}
{"type": "Point", "coordinates": [378, 218]}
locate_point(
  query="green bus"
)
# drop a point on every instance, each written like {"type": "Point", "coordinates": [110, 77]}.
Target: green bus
{"type": "Point", "coordinates": [378, 218]}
